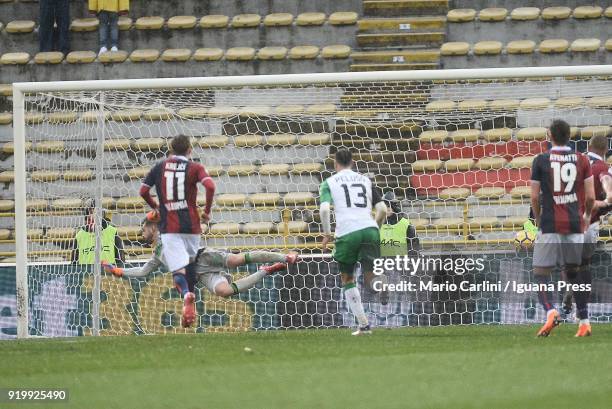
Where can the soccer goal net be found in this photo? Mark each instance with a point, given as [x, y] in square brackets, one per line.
[455, 147]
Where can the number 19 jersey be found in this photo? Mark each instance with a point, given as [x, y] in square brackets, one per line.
[561, 173]
[352, 195]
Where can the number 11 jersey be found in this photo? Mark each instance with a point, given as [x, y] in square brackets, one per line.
[353, 197]
[561, 173]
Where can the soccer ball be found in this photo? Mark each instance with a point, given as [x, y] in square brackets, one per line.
[524, 240]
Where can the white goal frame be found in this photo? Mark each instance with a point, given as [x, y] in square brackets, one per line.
[20, 89]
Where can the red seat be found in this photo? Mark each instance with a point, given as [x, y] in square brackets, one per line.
[462, 150]
[432, 183]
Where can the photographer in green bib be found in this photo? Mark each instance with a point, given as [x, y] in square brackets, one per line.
[397, 236]
[84, 244]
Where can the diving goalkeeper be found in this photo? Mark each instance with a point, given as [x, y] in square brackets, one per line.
[210, 264]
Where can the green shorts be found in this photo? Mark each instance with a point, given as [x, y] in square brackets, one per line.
[361, 245]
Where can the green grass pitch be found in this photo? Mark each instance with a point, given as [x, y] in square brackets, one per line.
[492, 367]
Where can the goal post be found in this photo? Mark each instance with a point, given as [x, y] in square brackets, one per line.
[435, 138]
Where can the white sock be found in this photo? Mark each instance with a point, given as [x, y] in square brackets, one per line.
[584, 321]
[249, 281]
[353, 298]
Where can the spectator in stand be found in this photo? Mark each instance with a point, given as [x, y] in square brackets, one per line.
[54, 30]
[108, 12]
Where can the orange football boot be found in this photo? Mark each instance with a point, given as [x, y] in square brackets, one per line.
[552, 320]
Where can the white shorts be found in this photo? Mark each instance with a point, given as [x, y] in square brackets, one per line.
[590, 240]
[553, 249]
[179, 249]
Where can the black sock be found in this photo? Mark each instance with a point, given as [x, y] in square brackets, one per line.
[191, 276]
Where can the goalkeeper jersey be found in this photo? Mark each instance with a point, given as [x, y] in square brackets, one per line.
[353, 197]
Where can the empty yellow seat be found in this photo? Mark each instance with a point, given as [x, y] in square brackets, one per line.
[208, 54]
[461, 15]
[149, 23]
[306, 168]
[274, 169]
[225, 228]
[531, 134]
[590, 131]
[336, 51]
[341, 18]
[32, 118]
[20, 26]
[521, 162]
[525, 13]
[127, 115]
[583, 12]
[310, 19]
[50, 147]
[317, 109]
[437, 136]
[176, 55]
[599, 102]
[520, 47]
[281, 139]
[5, 234]
[241, 170]
[49, 57]
[94, 116]
[243, 141]
[426, 165]
[130, 203]
[493, 14]
[121, 144]
[214, 21]
[314, 139]
[35, 204]
[144, 55]
[302, 52]
[458, 165]
[264, 199]
[159, 114]
[44, 176]
[481, 223]
[455, 48]
[129, 232]
[491, 162]
[81, 57]
[465, 135]
[504, 104]
[585, 45]
[294, 226]
[472, 105]
[231, 200]
[535, 103]
[60, 233]
[181, 22]
[441, 106]
[222, 111]
[138, 172]
[6, 118]
[240, 54]
[6, 205]
[149, 144]
[258, 228]
[289, 109]
[272, 53]
[487, 47]
[6, 90]
[448, 223]
[246, 20]
[215, 171]
[556, 13]
[521, 192]
[569, 102]
[255, 111]
[84, 24]
[9, 147]
[7, 176]
[17, 58]
[213, 141]
[454, 193]
[77, 175]
[60, 117]
[298, 198]
[113, 57]
[124, 23]
[278, 19]
[67, 204]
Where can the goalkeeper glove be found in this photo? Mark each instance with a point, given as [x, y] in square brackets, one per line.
[112, 269]
[153, 216]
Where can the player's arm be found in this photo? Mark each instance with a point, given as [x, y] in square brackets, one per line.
[606, 184]
[325, 198]
[210, 187]
[142, 271]
[536, 178]
[147, 183]
[380, 208]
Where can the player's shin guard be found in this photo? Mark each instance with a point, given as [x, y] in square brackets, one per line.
[353, 299]
[180, 282]
[263, 257]
[544, 295]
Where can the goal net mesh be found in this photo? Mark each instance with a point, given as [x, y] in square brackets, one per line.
[457, 155]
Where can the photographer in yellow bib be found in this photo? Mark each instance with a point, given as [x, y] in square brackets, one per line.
[84, 244]
[397, 236]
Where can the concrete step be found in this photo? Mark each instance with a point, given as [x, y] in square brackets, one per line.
[392, 8]
[393, 67]
[401, 39]
[407, 24]
[399, 56]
